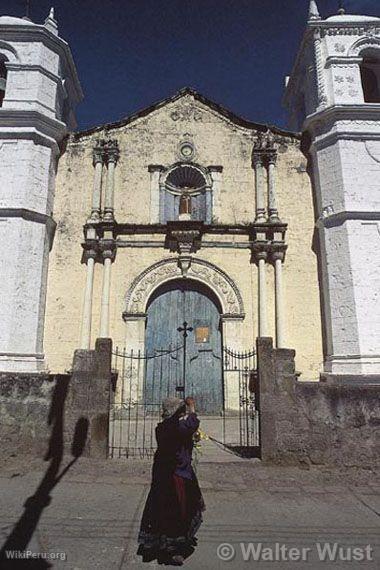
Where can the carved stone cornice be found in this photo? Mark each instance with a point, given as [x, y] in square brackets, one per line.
[156, 168]
[126, 316]
[215, 168]
[343, 29]
[184, 237]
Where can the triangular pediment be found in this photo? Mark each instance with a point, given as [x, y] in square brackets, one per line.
[187, 109]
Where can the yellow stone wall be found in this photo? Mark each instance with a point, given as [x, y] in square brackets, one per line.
[154, 139]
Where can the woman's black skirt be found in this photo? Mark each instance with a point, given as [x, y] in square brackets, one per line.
[172, 515]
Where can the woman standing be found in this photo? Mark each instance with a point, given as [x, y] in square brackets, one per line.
[173, 510]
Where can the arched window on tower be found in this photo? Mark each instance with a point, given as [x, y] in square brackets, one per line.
[370, 74]
[186, 191]
[3, 78]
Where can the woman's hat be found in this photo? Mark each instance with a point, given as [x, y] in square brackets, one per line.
[170, 406]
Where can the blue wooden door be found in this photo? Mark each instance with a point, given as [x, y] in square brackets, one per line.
[172, 305]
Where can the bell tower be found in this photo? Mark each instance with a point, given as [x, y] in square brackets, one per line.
[333, 97]
[39, 90]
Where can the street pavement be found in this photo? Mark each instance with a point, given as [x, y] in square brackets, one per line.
[93, 514]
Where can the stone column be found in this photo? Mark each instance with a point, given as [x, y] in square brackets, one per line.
[259, 187]
[261, 257]
[272, 202]
[214, 197]
[278, 258]
[112, 155]
[108, 253]
[155, 172]
[209, 207]
[98, 156]
[90, 256]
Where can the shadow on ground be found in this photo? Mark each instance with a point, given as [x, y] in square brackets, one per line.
[22, 533]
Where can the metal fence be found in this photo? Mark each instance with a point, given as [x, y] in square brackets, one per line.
[144, 380]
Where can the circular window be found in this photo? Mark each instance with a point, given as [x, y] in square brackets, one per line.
[187, 150]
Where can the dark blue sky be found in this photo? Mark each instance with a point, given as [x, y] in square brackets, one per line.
[132, 53]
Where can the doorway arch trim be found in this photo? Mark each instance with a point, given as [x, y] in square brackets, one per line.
[216, 279]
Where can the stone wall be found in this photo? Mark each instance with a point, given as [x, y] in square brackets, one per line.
[25, 404]
[329, 422]
[88, 398]
[38, 411]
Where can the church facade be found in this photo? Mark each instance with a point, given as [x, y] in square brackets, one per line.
[131, 214]
[185, 215]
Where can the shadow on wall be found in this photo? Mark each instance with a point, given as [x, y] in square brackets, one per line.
[23, 530]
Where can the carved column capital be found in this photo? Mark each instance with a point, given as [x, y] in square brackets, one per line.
[107, 248]
[97, 155]
[90, 250]
[259, 250]
[277, 252]
[261, 255]
[277, 255]
[272, 157]
[112, 151]
[257, 159]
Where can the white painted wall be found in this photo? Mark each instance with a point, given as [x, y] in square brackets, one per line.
[30, 128]
[345, 159]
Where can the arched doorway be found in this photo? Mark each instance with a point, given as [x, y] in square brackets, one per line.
[169, 307]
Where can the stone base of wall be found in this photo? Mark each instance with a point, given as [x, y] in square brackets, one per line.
[87, 410]
[48, 415]
[336, 421]
[27, 402]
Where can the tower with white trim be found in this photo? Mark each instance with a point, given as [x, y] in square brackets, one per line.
[333, 96]
[39, 89]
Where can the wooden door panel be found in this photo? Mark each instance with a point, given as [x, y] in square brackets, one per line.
[176, 303]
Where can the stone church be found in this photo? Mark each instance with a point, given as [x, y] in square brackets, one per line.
[185, 215]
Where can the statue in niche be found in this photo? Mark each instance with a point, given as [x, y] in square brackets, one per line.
[185, 206]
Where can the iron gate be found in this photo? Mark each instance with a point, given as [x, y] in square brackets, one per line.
[241, 402]
[144, 380]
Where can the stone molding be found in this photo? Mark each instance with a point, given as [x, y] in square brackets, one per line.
[364, 43]
[32, 216]
[327, 28]
[329, 218]
[342, 61]
[320, 79]
[16, 66]
[38, 33]
[323, 121]
[169, 269]
[11, 53]
[34, 122]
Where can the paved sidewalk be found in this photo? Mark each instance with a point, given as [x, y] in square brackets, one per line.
[95, 510]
